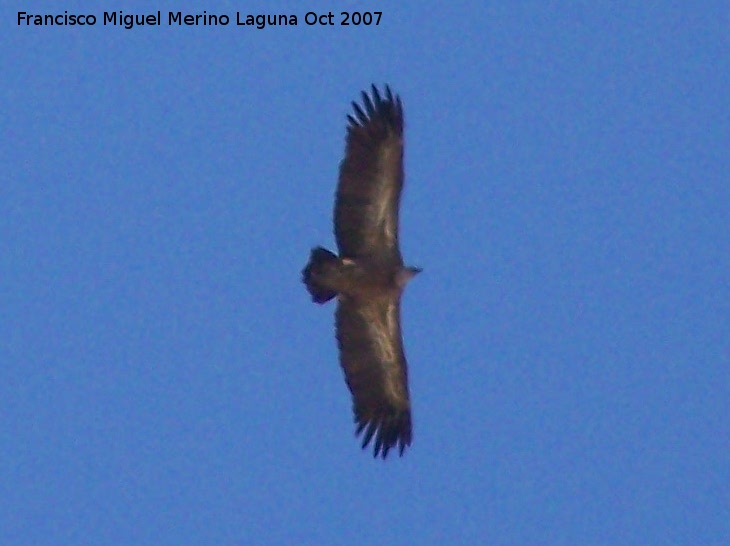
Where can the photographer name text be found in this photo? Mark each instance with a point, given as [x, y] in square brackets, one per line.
[202, 19]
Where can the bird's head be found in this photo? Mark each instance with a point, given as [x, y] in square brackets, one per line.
[406, 274]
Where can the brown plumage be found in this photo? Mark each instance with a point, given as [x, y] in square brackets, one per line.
[368, 276]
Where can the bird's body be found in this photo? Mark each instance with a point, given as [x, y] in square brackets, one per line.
[361, 280]
[368, 276]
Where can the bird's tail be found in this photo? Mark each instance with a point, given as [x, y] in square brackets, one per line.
[317, 275]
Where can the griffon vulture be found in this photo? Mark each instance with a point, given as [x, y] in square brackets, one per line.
[368, 276]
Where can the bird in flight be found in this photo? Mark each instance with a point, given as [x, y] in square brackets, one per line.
[368, 276]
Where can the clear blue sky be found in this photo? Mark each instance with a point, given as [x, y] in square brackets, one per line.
[164, 378]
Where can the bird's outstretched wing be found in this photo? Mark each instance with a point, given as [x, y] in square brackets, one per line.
[371, 179]
[371, 355]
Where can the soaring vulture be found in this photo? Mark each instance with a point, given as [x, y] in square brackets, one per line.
[368, 276]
